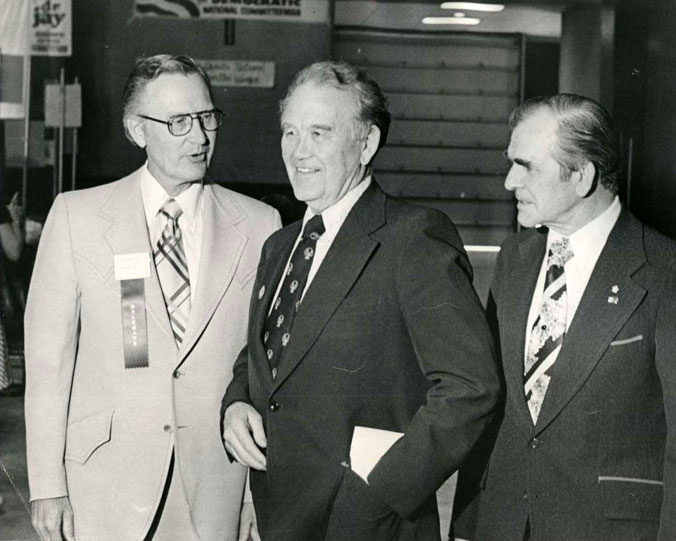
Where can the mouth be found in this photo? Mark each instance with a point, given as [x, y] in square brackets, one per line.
[198, 156]
[305, 170]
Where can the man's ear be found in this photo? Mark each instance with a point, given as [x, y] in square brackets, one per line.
[370, 145]
[135, 129]
[584, 179]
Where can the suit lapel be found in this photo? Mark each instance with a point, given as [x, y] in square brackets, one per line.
[519, 291]
[597, 321]
[222, 247]
[341, 267]
[128, 234]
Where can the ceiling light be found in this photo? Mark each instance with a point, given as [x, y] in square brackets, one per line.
[459, 14]
[473, 6]
[451, 20]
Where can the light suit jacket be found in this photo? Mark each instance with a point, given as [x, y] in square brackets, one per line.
[103, 434]
[601, 461]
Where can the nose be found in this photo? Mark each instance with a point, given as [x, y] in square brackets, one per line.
[302, 149]
[197, 133]
[512, 181]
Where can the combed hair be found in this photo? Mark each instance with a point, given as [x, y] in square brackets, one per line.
[148, 69]
[372, 103]
[585, 133]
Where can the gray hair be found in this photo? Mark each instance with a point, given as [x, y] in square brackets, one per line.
[371, 102]
[148, 69]
[585, 133]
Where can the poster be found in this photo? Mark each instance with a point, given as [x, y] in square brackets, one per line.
[51, 27]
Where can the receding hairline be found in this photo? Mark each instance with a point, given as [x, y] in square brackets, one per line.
[319, 84]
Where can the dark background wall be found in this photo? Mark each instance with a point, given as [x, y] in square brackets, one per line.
[645, 106]
[107, 45]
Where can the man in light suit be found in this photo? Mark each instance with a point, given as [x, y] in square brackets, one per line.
[585, 312]
[136, 311]
[386, 333]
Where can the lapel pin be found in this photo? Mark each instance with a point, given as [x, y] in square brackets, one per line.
[615, 289]
[261, 292]
[613, 299]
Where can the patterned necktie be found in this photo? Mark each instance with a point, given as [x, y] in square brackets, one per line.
[549, 328]
[277, 330]
[172, 270]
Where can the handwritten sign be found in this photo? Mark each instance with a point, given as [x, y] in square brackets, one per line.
[248, 73]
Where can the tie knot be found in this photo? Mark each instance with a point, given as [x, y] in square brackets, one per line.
[314, 228]
[172, 209]
[560, 252]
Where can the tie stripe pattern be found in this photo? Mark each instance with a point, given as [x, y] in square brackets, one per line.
[277, 329]
[172, 270]
[548, 329]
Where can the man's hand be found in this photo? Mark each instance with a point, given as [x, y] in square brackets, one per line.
[53, 519]
[248, 527]
[240, 421]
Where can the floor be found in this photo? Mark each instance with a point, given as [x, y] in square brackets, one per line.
[15, 524]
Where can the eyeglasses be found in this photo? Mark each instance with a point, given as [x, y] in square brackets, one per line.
[182, 124]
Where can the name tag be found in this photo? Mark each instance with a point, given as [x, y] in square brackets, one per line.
[132, 266]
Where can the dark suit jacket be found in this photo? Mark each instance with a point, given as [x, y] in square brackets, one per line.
[390, 335]
[600, 462]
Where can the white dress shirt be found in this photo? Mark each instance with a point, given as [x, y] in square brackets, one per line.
[587, 244]
[333, 218]
[190, 222]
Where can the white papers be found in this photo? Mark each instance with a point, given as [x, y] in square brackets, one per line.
[132, 266]
[368, 447]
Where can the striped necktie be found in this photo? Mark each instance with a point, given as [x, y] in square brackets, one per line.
[172, 270]
[549, 328]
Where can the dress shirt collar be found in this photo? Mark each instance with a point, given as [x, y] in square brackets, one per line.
[154, 196]
[588, 241]
[335, 215]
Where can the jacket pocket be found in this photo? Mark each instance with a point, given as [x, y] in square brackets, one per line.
[631, 498]
[86, 435]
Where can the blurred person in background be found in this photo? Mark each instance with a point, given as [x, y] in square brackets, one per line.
[11, 241]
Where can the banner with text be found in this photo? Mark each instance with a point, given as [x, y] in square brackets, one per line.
[302, 11]
[51, 27]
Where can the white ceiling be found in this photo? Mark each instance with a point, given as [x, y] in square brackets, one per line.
[525, 18]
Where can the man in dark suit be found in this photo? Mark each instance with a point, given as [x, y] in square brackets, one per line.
[585, 313]
[389, 335]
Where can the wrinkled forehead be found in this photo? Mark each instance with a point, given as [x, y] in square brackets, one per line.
[322, 100]
[175, 93]
[536, 133]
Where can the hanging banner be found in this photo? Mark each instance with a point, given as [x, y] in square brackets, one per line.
[302, 11]
[249, 73]
[51, 27]
[13, 34]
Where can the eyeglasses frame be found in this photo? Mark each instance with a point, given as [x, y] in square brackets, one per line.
[192, 116]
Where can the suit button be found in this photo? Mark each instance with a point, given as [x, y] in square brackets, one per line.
[177, 374]
[167, 428]
[274, 406]
[525, 495]
[534, 443]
